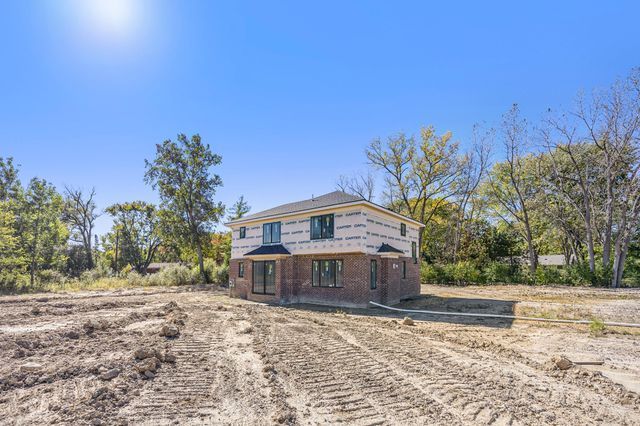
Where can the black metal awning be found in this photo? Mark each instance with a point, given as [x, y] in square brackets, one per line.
[386, 248]
[268, 250]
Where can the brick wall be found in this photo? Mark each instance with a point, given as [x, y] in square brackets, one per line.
[399, 288]
[294, 279]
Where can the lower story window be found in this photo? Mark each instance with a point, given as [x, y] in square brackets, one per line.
[327, 273]
[240, 269]
[264, 277]
[374, 275]
[404, 269]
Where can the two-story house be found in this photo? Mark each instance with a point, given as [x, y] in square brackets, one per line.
[335, 249]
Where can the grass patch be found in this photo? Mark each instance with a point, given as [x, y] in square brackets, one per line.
[596, 327]
[100, 284]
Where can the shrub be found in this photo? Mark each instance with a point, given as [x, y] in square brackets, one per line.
[135, 279]
[171, 276]
[95, 274]
[11, 282]
[596, 327]
[51, 276]
[433, 274]
[499, 272]
[549, 275]
[466, 272]
[174, 276]
[216, 274]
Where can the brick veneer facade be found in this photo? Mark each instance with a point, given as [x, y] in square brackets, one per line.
[293, 281]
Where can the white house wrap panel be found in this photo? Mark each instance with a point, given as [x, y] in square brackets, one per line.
[348, 235]
[357, 230]
[382, 229]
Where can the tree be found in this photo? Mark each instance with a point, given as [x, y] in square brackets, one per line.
[80, 215]
[363, 185]
[419, 177]
[40, 228]
[220, 248]
[13, 261]
[239, 209]
[473, 168]
[137, 226]
[9, 182]
[601, 138]
[181, 174]
[12, 258]
[512, 183]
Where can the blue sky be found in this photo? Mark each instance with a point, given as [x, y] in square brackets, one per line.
[289, 93]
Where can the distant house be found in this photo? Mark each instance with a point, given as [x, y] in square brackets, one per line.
[559, 260]
[157, 267]
[335, 249]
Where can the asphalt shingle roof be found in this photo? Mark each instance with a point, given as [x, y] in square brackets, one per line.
[326, 200]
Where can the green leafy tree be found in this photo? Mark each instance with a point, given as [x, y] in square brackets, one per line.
[12, 258]
[239, 209]
[9, 183]
[181, 172]
[42, 233]
[137, 226]
[13, 261]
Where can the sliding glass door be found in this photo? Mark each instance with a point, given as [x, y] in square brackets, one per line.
[264, 277]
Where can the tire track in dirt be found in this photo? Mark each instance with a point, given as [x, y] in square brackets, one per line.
[344, 382]
[486, 388]
[181, 392]
[210, 381]
[357, 373]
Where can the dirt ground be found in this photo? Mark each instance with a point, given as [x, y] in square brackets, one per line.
[100, 358]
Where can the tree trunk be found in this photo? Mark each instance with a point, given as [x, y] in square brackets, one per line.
[533, 256]
[89, 254]
[606, 243]
[32, 274]
[589, 232]
[115, 260]
[203, 274]
[620, 256]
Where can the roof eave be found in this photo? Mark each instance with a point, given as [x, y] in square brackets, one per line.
[351, 203]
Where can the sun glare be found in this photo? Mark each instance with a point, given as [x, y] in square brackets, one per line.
[109, 18]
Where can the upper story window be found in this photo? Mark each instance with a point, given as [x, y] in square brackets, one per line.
[243, 231]
[271, 233]
[321, 227]
[414, 252]
[403, 229]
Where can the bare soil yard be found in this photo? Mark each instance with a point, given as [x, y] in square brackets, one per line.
[194, 356]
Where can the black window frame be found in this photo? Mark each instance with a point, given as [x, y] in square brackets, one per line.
[264, 277]
[316, 278]
[271, 240]
[243, 232]
[404, 269]
[323, 231]
[373, 274]
[240, 269]
[414, 252]
[403, 230]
